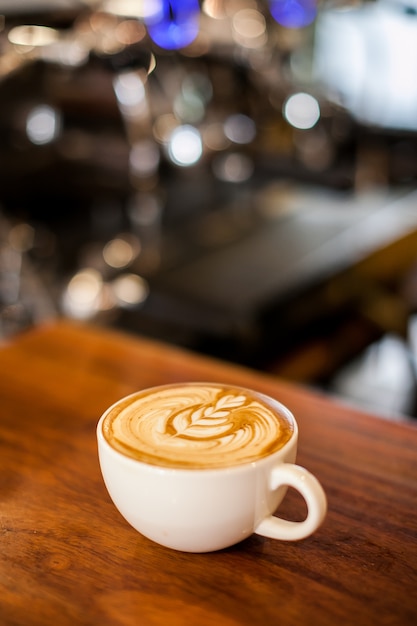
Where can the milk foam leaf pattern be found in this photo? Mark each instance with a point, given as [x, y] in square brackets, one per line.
[202, 425]
[207, 421]
[210, 412]
[230, 402]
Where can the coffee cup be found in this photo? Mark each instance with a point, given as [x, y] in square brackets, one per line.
[198, 467]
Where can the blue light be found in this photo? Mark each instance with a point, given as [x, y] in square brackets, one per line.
[173, 24]
[293, 13]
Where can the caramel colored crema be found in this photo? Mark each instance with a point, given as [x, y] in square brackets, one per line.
[196, 425]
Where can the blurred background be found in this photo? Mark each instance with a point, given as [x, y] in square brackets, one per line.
[238, 177]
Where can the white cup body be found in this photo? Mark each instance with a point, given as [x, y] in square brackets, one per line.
[202, 510]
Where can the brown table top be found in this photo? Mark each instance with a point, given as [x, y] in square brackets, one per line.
[67, 557]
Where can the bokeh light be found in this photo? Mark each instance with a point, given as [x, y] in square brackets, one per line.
[233, 167]
[128, 8]
[129, 32]
[301, 110]
[144, 158]
[130, 290]
[130, 93]
[214, 136]
[43, 124]
[21, 237]
[185, 146]
[164, 126]
[173, 24]
[249, 28]
[32, 36]
[81, 299]
[121, 251]
[293, 13]
[240, 128]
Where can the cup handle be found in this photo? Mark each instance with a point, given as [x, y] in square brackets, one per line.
[309, 487]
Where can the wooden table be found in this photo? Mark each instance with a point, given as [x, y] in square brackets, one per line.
[68, 558]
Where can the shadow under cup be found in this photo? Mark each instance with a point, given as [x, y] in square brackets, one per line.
[205, 508]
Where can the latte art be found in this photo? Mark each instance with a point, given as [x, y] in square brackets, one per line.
[196, 425]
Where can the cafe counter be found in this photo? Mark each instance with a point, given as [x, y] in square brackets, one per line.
[67, 557]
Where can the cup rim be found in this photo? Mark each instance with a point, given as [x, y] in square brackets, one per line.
[282, 408]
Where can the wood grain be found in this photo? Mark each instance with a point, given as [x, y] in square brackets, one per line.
[68, 558]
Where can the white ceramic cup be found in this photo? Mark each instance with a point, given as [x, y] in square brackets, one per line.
[202, 510]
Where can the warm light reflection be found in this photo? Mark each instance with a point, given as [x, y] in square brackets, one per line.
[249, 23]
[42, 124]
[32, 36]
[164, 126]
[152, 64]
[130, 290]
[129, 32]
[103, 27]
[121, 251]
[102, 23]
[214, 137]
[9, 62]
[185, 145]
[130, 8]
[214, 9]
[301, 110]
[81, 299]
[249, 28]
[21, 237]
